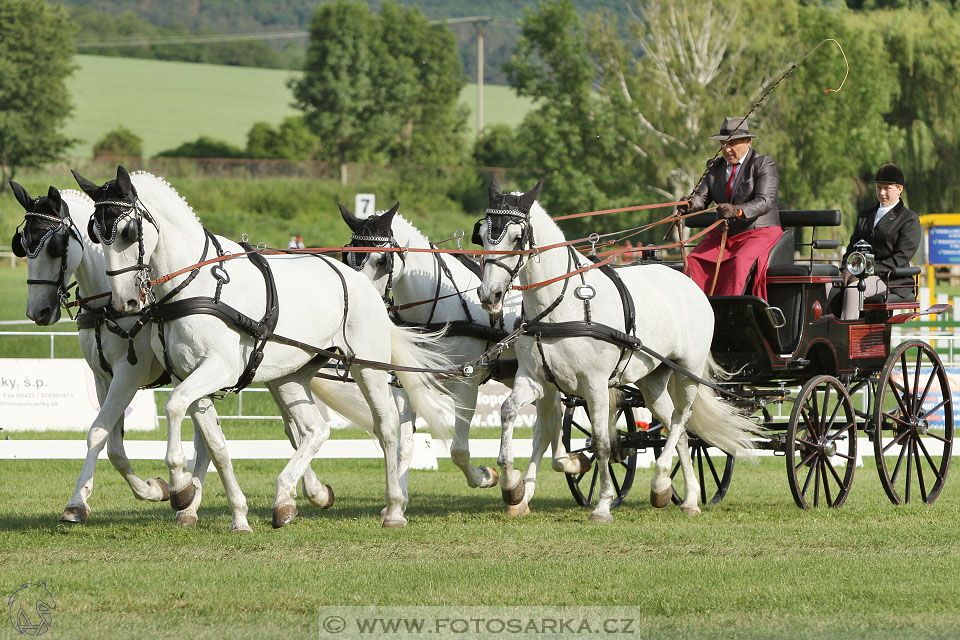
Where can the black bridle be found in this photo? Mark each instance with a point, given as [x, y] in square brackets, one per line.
[132, 232]
[358, 259]
[498, 221]
[58, 237]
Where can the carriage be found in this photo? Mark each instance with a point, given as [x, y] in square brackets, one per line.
[814, 384]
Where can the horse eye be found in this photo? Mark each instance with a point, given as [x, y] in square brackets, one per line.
[131, 231]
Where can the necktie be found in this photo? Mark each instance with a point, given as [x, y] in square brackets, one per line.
[733, 175]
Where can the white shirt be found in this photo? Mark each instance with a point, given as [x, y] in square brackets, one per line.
[882, 211]
[731, 166]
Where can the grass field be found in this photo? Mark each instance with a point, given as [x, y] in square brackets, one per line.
[168, 103]
[751, 567]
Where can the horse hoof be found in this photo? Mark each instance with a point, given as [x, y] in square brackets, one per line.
[600, 517]
[515, 494]
[283, 514]
[185, 519]
[75, 515]
[490, 477]
[243, 529]
[164, 489]
[182, 499]
[330, 498]
[394, 522]
[581, 464]
[691, 511]
[660, 500]
[518, 510]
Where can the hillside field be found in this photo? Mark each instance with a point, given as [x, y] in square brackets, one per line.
[168, 103]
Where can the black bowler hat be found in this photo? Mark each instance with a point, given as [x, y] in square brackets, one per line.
[733, 129]
[890, 174]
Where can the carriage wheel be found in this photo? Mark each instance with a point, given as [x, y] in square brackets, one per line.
[821, 444]
[714, 471]
[584, 486]
[913, 422]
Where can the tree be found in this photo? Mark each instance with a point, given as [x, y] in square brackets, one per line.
[36, 50]
[204, 147]
[119, 142]
[381, 87]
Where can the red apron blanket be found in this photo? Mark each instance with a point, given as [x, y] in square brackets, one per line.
[740, 253]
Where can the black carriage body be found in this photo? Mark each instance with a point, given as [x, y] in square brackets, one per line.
[795, 335]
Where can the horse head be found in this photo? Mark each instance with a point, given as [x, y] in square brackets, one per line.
[118, 223]
[375, 231]
[53, 248]
[505, 227]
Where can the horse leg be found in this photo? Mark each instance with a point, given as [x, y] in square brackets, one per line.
[525, 390]
[319, 494]
[654, 390]
[544, 429]
[293, 395]
[684, 392]
[598, 403]
[465, 393]
[192, 394]
[187, 516]
[562, 460]
[154, 489]
[407, 426]
[373, 384]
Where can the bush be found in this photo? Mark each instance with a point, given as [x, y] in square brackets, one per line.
[119, 142]
[204, 147]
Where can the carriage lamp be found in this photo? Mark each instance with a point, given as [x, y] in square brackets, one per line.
[860, 262]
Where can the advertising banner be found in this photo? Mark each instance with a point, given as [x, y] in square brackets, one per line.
[40, 394]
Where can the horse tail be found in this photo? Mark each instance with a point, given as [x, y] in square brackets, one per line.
[430, 400]
[344, 398]
[719, 423]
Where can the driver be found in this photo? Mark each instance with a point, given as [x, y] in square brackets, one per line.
[744, 184]
[892, 230]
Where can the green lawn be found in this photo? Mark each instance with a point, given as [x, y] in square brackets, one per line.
[751, 567]
[167, 103]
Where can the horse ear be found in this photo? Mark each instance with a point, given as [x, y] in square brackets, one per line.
[22, 196]
[493, 191]
[53, 195]
[124, 182]
[352, 221]
[388, 215]
[527, 199]
[88, 187]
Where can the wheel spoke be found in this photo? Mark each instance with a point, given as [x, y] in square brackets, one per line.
[826, 403]
[834, 472]
[940, 438]
[826, 482]
[939, 405]
[806, 418]
[806, 442]
[805, 461]
[916, 380]
[593, 484]
[926, 454]
[896, 469]
[916, 455]
[815, 407]
[833, 417]
[703, 488]
[806, 483]
[926, 390]
[909, 470]
[898, 397]
[897, 439]
[904, 372]
[613, 477]
[576, 424]
[713, 468]
[816, 483]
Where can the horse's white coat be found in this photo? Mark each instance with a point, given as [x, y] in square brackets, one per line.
[674, 318]
[208, 355]
[85, 261]
[415, 279]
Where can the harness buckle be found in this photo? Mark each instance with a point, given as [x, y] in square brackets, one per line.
[220, 274]
[585, 292]
[244, 237]
[593, 238]
[458, 234]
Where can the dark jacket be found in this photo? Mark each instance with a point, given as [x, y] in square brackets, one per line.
[895, 239]
[754, 191]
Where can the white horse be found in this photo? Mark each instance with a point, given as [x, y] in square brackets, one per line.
[439, 290]
[674, 319]
[58, 250]
[319, 304]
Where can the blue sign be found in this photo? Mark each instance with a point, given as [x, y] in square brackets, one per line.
[944, 247]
